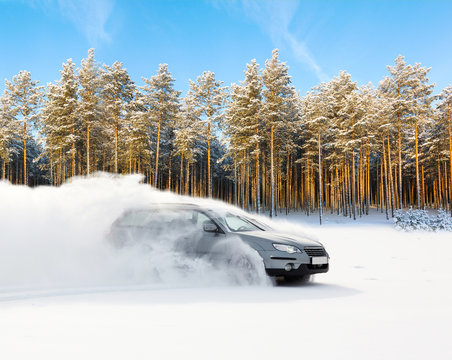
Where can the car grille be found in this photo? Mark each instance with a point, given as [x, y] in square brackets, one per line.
[315, 251]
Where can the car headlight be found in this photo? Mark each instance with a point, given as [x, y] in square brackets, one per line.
[287, 248]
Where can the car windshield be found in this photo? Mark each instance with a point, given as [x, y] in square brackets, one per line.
[237, 223]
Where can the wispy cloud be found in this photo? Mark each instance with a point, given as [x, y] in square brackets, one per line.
[274, 17]
[89, 16]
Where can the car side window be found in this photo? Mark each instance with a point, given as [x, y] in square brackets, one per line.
[202, 218]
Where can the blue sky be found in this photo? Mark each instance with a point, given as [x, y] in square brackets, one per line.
[317, 38]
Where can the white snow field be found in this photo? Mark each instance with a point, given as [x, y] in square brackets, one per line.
[64, 294]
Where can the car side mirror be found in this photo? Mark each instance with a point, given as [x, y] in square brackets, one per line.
[210, 227]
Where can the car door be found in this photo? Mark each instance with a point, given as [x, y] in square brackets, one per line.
[209, 241]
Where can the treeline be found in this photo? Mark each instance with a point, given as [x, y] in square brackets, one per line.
[258, 144]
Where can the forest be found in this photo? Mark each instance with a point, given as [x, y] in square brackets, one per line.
[258, 144]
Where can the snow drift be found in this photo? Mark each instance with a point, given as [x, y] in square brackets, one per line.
[417, 219]
[56, 238]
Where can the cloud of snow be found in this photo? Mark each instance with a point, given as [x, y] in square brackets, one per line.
[56, 238]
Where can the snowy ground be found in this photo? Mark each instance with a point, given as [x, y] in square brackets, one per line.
[388, 295]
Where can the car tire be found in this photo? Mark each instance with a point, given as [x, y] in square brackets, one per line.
[244, 270]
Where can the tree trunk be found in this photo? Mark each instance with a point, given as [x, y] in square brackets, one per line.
[87, 149]
[209, 177]
[308, 188]
[258, 181]
[399, 136]
[368, 199]
[440, 198]
[73, 153]
[353, 186]
[64, 167]
[51, 172]
[170, 159]
[272, 179]
[235, 182]
[418, 195]
[391, 182]
[287, 183]
[386, 181]
[157, 150]
[336, 189]
[25, 177]
[181, 176]
[450, 159]
[423, 188]
[187, 183]
[116, 145]
[247, 181]
[320, 180]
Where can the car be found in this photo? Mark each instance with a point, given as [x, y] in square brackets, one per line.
[205, 231]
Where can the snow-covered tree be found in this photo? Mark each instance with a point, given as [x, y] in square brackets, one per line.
[59, 120]
[317, 113]
[23, 96]
[405, 87]
[277, 92]
[118, 91]
[445, 115]
[420, 97]
[137, 135]
[187, 134]
[8, 135]
[89, 106]
[243, 128]
[162, 102]
[209, 97]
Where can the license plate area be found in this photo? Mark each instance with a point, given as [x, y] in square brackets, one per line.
[319, 260]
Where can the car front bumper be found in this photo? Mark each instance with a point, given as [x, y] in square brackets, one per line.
[299, 264]
[302, 270]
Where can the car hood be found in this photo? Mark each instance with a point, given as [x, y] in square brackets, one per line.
[265, 239]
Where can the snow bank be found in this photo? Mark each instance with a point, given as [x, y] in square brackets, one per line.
[414, 219]
[56, 238]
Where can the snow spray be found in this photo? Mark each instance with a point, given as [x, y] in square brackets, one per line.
[55, 238]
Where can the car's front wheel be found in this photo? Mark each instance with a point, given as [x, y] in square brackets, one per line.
[245, 270]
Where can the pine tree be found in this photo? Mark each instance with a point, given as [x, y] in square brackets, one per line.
[89, 106]
[277, 94]
[243, 127]
[137, 134]
[8, 135]
[187, 134]
[118, 91]
[317, 115]
[162, 102]
[59, 120]
[445, 115]
[399, 89]
[24, 96]
[209, 97]
[253, 122]
[420, 113]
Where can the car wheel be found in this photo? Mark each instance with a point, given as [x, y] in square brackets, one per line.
[244, 270]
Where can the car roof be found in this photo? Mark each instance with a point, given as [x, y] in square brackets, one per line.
[165, 206]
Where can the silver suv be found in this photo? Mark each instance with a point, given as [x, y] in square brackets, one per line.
[203, 231]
